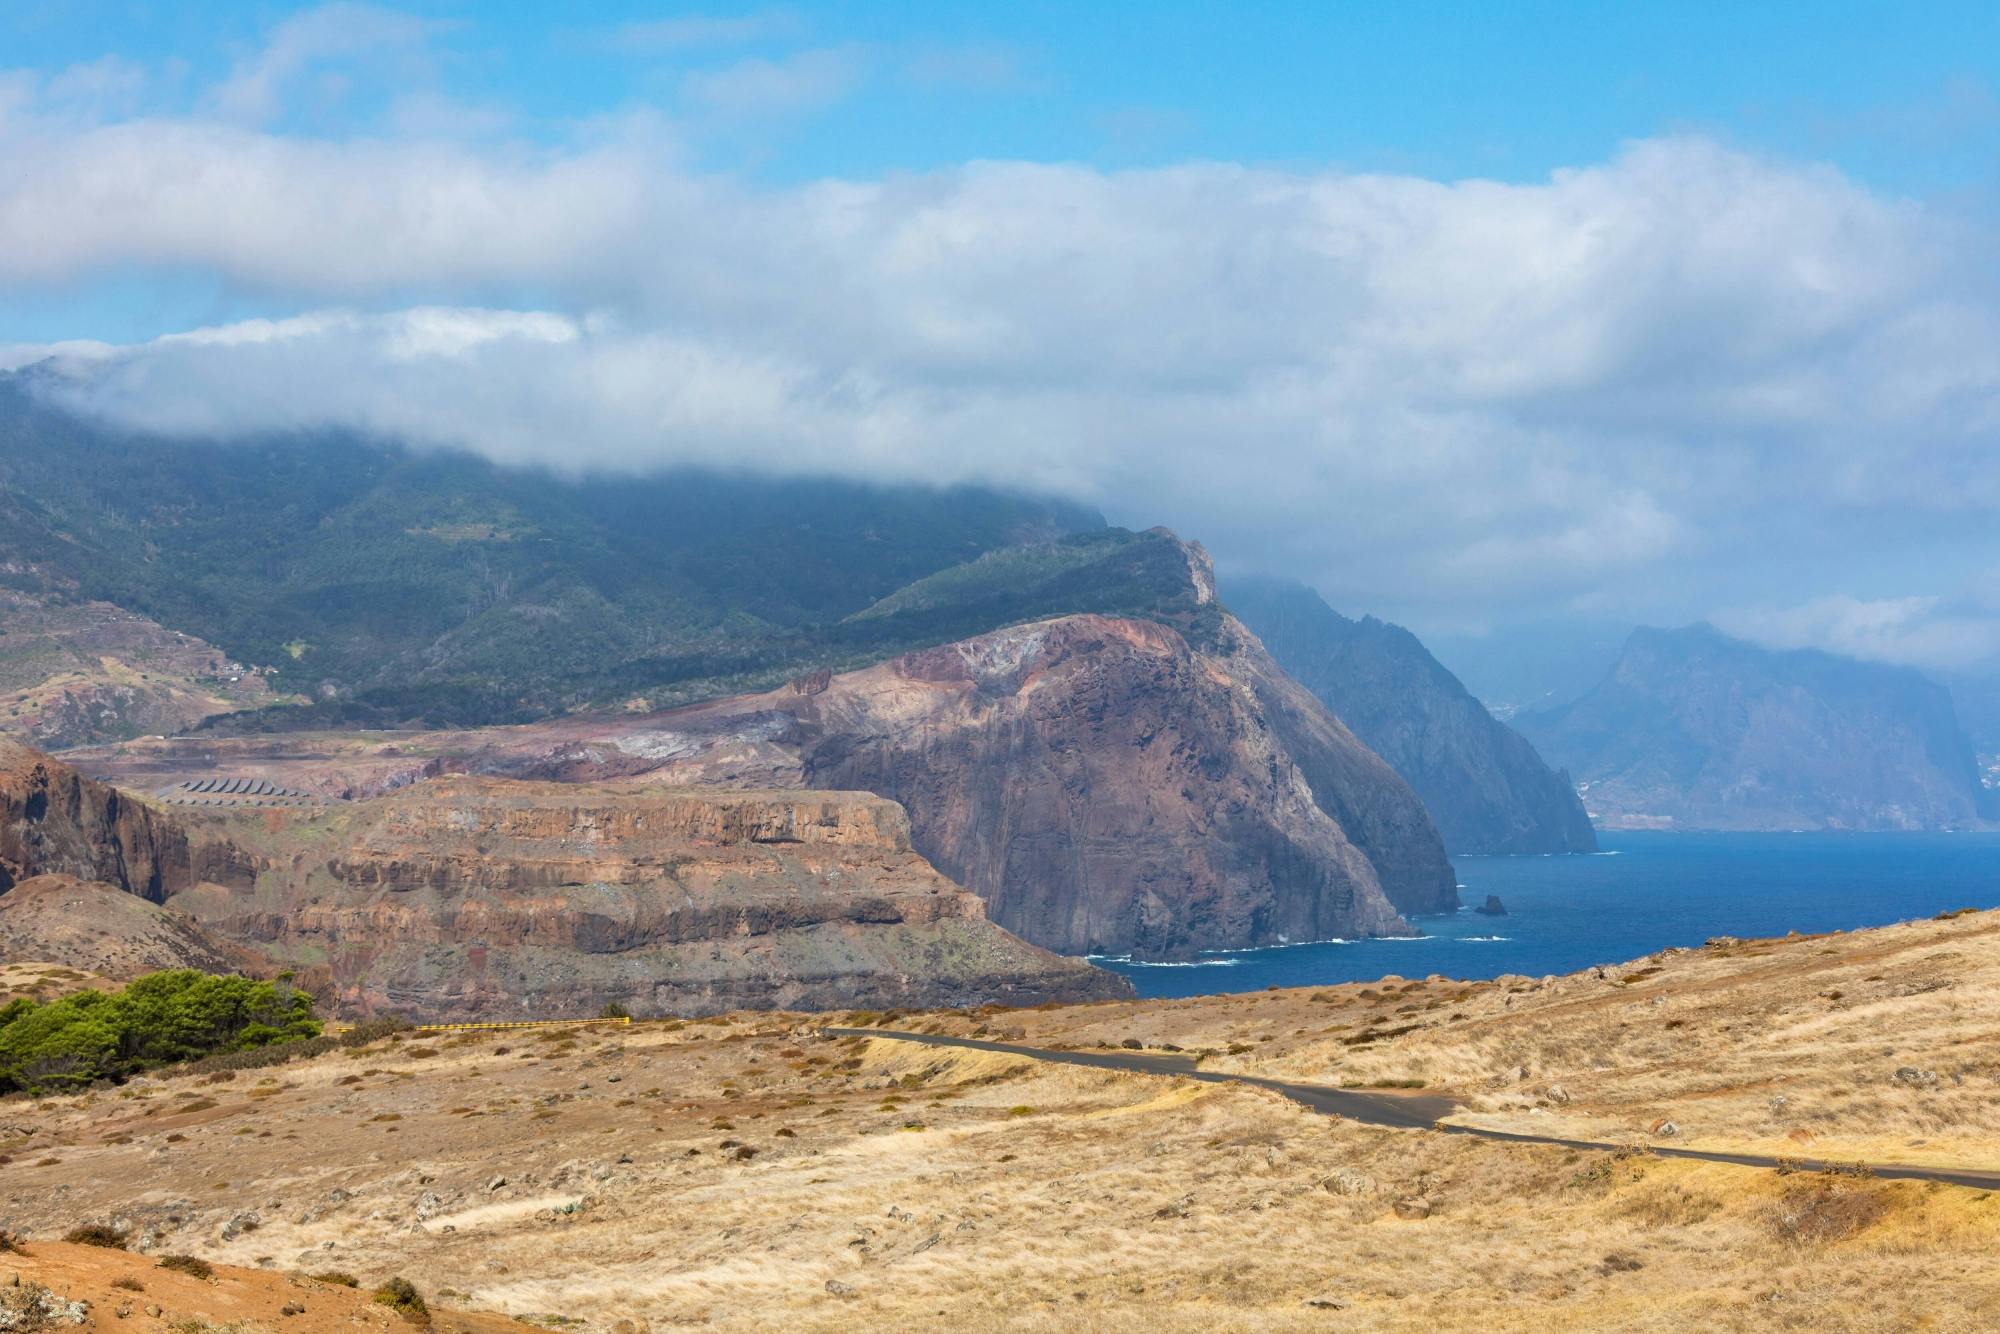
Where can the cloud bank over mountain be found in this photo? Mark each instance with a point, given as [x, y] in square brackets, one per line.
[1440, 398]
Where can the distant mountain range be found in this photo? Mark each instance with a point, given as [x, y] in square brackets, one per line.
[1482, 782]
[1692, 729]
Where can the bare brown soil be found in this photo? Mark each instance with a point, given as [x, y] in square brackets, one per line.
[126, 1291]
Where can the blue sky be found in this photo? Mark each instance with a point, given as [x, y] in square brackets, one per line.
[1902, 95]
[1906, 98]
[1468, 314]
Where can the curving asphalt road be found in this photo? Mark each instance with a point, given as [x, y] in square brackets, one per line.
[1403, 1111]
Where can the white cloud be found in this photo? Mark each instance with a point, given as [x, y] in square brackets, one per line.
[312, 40]
[1411, 391]
[767, 86]
[1952, 634]
[688, 31]
[985, 67]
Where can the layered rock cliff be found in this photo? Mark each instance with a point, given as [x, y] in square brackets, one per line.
[483, 898]
[1108, 789]
[1693, 729]
[1481, 781]
[486, 898]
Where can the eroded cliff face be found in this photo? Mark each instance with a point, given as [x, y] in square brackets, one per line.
[491, 899]
[1354, 785]
[1106, 788]
[54, 821]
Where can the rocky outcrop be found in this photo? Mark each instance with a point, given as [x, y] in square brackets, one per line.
[104, 930]
[1695, 730]
[1481, 781]
[1353, 784]
[54, 821]
[1106, 788]
[486, 898]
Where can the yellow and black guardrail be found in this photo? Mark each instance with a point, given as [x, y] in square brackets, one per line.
[516, 1023]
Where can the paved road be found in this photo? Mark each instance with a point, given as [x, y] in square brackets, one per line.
[1404, 1111]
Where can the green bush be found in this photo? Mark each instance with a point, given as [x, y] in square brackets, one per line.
[181, 1015]
[613, 1010]
[401, 1296]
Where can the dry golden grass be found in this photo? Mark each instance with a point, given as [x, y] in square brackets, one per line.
[1788, 1047]
[40, 981]
[751, 1174]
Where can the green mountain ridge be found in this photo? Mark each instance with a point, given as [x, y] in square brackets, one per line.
[394, 585]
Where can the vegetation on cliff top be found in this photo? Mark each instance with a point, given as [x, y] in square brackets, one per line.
[395, 586]
[180, 1015]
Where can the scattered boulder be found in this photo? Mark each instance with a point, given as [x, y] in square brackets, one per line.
[238, 1224]
[1347, 1181]
[1413, 1206]
[1557, 1094]
[31, 1306]
[1911, 1077]
[1493, 907]
[1664, 1129]
[838, 1289]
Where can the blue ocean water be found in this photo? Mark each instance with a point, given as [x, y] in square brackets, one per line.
[1642, 892]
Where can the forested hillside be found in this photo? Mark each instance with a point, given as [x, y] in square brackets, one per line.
[390, 584]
